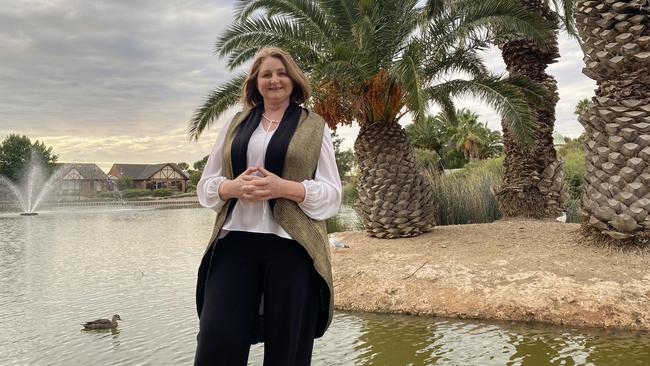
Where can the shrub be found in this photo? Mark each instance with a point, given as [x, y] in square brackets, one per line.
[574, 166]
[135, 192]
[108, 195]
[338, 223]
[571, 208]
[350, 193]
[428, 159]
[335, 225]
[162, 192]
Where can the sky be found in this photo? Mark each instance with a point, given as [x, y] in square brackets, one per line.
[116, 81]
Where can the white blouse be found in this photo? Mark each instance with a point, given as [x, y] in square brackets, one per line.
[322, 194]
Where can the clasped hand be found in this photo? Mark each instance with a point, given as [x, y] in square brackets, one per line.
[252, 187]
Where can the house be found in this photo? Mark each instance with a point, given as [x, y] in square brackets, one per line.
[76, 178]
[152, 176]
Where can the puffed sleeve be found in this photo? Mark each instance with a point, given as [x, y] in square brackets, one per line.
[323, 193]
[207, 190]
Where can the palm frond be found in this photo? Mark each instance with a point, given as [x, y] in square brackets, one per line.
[409, 75]
[564, 11]
[344, 13]
[240, 55]
[435, 7]
[343, 69]
[458, 60]
[465, 19]
[534, 92]
[443, 99]
[500, 94]
[303, 11]
[217, 102]
[259, 32]
[394, 22]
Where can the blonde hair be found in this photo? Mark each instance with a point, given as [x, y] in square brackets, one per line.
[250, 95]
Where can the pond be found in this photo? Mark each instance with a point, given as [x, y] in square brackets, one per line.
[61, 268]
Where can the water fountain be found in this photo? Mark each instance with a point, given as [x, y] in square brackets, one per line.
[35, 187]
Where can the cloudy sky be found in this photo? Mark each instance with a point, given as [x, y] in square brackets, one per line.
[116, 81]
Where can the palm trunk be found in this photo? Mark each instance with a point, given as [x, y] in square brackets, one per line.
[395, 199]
[533, 176]
[616, 38]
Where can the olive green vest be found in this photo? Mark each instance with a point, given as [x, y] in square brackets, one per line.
[300, 163]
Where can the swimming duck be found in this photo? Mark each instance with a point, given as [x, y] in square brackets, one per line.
[103, 323]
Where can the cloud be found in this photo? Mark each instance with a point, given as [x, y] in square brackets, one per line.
[107, 69]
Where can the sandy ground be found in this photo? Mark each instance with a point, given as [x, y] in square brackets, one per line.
[513, 270]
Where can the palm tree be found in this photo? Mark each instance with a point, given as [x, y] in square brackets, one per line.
[533, 176]
[429, 132]
[492, 144]
[371, 62]
[616, 201]
[461, 131]
[466, 133]
[582, 106]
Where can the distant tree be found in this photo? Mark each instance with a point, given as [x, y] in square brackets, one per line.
[427, 133]
[125, 182]
[199, 165]
[184, 166]
[195, 176]
[583, 105]
[492, 144]
[467, 134]
[450, 135]
[16, 152]
[344, 159]
[573, 144]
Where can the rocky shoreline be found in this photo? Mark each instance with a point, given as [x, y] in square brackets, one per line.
[522, 270]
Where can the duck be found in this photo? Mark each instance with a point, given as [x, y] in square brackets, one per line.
[103, 323]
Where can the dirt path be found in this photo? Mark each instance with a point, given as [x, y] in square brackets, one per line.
[515, 270]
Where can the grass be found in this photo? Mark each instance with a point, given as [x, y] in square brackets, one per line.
[466, 196]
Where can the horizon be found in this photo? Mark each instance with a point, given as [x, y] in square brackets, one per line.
[114, 82]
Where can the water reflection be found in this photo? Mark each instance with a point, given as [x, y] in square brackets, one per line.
[59, 269]
[408, 340]
[379, 344]
[618, 348]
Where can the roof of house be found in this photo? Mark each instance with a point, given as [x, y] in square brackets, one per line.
[145, 171]
[87, 170]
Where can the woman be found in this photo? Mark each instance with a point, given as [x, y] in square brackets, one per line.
[272, 178]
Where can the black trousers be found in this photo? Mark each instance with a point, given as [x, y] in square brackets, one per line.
[243, 267]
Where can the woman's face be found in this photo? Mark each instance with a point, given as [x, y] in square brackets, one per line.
[273, 82]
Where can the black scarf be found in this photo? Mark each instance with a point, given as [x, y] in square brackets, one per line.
[276, 150]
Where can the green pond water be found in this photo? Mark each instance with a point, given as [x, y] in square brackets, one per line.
[61, 268]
